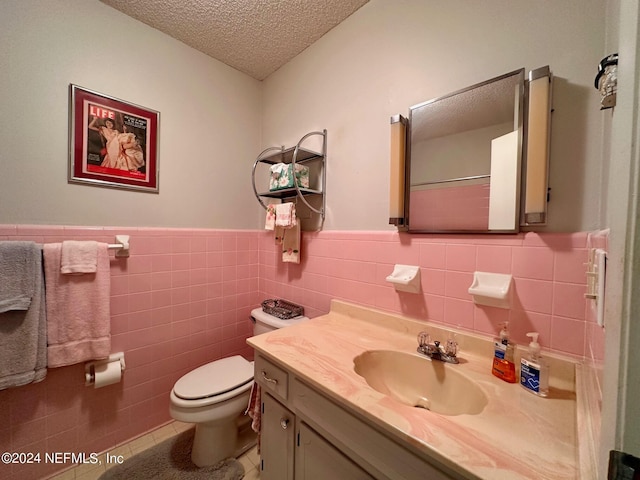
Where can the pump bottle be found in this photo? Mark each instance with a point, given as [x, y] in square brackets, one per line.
[534, 371]
[503, 366]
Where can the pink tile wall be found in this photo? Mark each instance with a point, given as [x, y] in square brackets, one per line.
[548, 279]
[181, 299]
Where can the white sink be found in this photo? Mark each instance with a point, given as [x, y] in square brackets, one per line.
[420, 382]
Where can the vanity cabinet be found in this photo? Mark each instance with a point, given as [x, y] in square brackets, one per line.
[317, 459]
[327, 440]
[277, 438]
[297, 155]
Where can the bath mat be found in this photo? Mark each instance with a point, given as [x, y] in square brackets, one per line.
[171, 460]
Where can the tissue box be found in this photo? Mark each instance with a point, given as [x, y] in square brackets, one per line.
[282, 176]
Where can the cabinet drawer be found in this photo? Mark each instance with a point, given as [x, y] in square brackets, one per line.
[271, 377]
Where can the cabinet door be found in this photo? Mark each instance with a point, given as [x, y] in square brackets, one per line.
[277, 435]
[317, 459]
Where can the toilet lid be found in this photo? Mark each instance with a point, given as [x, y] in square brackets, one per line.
[214, 378]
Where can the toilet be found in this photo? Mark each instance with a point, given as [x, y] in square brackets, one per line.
[215, 396]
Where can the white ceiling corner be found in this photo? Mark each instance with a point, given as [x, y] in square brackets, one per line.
[254, 36]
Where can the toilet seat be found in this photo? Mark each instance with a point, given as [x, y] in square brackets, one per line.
[216, 381]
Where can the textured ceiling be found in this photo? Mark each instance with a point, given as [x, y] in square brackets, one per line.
[254, 36]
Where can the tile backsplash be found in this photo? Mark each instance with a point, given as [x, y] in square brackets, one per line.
[549, 279]
[184, 296]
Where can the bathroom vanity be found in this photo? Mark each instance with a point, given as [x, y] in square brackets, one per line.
[321, 419]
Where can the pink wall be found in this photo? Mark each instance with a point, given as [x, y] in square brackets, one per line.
[548, 274]
[183, 298]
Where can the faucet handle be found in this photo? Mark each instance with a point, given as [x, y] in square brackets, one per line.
[452, 347]
[424, 339]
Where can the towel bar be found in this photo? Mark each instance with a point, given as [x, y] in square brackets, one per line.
[121, 246]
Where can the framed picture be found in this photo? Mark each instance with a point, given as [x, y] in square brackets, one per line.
[112, 143]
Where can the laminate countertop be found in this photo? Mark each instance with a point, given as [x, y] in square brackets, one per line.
[517, 435]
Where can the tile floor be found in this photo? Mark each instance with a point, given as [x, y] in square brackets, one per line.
[250, 460]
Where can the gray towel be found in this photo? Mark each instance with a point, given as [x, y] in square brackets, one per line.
[23, 333]
[16, 275]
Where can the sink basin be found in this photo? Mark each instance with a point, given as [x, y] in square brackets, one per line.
[420, 382]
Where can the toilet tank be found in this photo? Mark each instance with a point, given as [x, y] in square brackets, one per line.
[264, 322]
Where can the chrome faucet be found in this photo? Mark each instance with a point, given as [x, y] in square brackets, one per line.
[434, 351]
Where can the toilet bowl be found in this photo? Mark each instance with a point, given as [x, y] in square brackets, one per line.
[214, 398]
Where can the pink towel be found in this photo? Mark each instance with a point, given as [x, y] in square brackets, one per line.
[254, 409]
[79, 257]
[78, 312]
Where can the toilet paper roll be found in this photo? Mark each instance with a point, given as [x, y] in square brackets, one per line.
[107, 374]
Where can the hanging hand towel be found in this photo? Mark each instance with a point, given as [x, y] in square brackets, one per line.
[23, 331]
[79, 257]
[286, 215]
[78, 314]
[291, 245]
[253, 410]
[279, 235]
[270, 221]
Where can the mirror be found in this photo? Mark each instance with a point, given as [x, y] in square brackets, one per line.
[464, 159]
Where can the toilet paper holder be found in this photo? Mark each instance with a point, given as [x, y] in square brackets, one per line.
[90, 367]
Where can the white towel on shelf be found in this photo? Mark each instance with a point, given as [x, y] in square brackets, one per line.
[286, 215]
[78, 257]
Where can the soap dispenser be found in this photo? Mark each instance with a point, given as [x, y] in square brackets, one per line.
[503, 365]
[534, 371]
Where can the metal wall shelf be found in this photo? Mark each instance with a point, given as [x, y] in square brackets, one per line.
[294, 155]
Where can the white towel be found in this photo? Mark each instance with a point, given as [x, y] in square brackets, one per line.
[286, 215]
[78, 257]
[291, 245]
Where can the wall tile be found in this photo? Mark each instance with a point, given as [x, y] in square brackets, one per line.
[433, 256]
[457, 284]
[461, 258]
[533, 263]
[570, 266]
[533, 295]
[458, 313]
[494, 258]
[568, 335]
[568, 300]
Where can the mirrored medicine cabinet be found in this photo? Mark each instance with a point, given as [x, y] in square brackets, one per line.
[465, 167]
